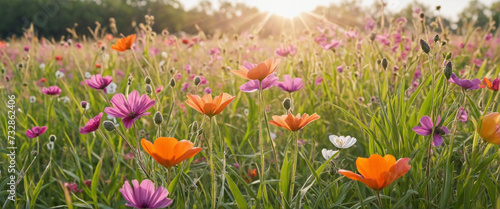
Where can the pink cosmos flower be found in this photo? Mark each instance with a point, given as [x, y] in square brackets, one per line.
[285, 51]
[318, 80]
[254, 85]
[290, 85]
[129, 109]
[52, 90]
[462, 115]
[98, 82]
[207, 90]
[92, 124]
[332, 45]
[145, 195]
[427, 126]
[465, 83]
[370, 24]
[35, 131]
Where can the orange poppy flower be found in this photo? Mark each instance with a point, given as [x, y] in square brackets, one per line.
[378, 172]
[491, 85]
[124, 44]
[258, 71]
[490, 128]
[58, 58]
[109, 36]
[293, 123]
[168, 151]
[207, 105]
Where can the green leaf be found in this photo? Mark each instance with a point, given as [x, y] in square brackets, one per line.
[240, 200]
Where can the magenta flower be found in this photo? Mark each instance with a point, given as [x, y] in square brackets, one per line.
[318, 80]
[207, 90]
[465, 83]
[285, 51]
[35, 131]
[462, 115]
[129, 109]
[52, 90]
[255, 85]
[340, 69]
[332, 45]
[145, 195]
[98, 82]
[426, 129]
[91, 125]
[290, 85]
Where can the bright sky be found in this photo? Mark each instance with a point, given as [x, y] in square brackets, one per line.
[450, 8]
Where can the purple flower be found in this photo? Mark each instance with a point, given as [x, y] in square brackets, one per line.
[91, 125]
[290, 85]
[462, 115]
[237, 165]
[428, 126]
[98, 82]
[207, 90]
[255, 85]
[370, 24]
[129, 109]
[52, 90]
[351, 34]
[35, 131]
[145, 195]
[185, 86]
[465, 83]
[340, 69]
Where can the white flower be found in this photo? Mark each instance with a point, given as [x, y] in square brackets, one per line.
[328, 153]
[42, 66]
[59, 74]
[32, 99]
[64, 99]
[111, 88]
[273, 135]
[161, 63]
[105, 57]
[164, 54]
[246, 112]
[50, 145]
[342, 142]
[88, 75]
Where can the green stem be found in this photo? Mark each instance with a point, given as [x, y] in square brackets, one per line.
[261, 144]
[294, 167]
[379, 200]
[212, 166]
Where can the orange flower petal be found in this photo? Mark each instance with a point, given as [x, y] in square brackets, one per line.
[164, 147]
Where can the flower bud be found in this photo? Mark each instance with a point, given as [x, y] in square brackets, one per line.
[197, 80]
[488, 128]
[194, 127]
[172, 83]
[149, 90]
[158, 118]
[52, 138]
[448, 70]
[287, 104]
[436, 38]
[172, 70]
[373, 36]
[34, 153]
[50, 145]
[147, 80]
[84, 105]
[108, 125]
[425, 47]
[385, 63]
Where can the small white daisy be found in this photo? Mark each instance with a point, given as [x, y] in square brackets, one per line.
[59, 74]
[32, 99]
[342, 142]
[328, 153]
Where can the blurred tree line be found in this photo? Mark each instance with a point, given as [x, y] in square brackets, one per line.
[51, 18]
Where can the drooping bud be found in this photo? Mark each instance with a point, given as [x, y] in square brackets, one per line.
[147, 80]
[172, 83]
[149, 90]
[425, 47]
[373, 36]
[448, 70]
[50, 145]
[34, 153]
[84, 105]
[287, 104]
[385, 63]
[197, 80]
[158, 118]
[108, 125]
[172, 70]
[52, 138]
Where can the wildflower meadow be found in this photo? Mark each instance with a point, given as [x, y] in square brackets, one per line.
[399, 112]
